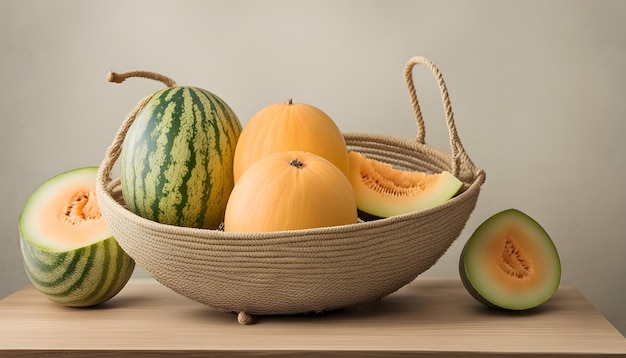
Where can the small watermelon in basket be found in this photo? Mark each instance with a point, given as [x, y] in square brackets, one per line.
[176, 163]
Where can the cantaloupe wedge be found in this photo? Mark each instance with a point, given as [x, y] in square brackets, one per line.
[384, 191]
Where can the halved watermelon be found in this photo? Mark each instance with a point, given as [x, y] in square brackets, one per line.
[69, 253]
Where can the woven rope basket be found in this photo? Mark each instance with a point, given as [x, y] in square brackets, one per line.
[306, 270]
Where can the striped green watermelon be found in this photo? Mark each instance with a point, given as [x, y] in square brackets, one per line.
[176, 163]
[68, 252]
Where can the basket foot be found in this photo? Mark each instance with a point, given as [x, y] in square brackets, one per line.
[245, 318]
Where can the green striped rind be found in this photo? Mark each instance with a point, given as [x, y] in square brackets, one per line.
[84, 277]
[176, 164]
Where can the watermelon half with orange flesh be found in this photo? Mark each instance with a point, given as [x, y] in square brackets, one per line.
[68, 251]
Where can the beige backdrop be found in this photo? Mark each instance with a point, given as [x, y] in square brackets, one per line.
[537, 88]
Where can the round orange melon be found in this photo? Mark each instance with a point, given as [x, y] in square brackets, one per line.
[290, 191]
[290, 126]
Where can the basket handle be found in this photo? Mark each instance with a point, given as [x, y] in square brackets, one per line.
[461, 163]
[114, 150]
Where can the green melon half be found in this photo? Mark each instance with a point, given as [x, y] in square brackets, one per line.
[384, 191]
[68, 251]
[510, 262]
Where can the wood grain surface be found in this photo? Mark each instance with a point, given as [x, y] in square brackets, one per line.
[429, 317]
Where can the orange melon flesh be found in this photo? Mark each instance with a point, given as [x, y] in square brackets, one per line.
[384, 191]
[63, 214]
[510, 262]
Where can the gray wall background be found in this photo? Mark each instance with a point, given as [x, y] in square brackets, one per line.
[537, 88]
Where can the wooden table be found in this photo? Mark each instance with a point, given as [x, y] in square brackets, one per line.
[429, 317]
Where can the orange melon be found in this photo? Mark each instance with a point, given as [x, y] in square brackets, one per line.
[290, 191]
[290, 126]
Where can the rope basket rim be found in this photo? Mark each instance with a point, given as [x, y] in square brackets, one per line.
[105, 189]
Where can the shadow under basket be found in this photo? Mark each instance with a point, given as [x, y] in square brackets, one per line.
[313, 270]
